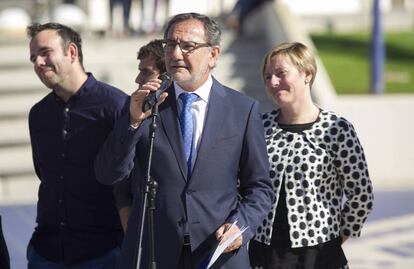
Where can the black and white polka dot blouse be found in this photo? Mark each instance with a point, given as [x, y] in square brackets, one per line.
[320, 166]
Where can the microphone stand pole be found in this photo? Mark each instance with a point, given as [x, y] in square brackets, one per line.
[148, 201]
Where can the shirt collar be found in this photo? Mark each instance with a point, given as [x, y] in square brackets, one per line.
[275, 128]
[203, 91]
[86, 87]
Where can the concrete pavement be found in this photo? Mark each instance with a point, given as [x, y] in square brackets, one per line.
[387, 240]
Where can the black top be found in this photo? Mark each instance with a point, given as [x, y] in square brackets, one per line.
[76, 215]
[280, 233]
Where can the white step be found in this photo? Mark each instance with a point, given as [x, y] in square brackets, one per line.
[19, 105]
[14, 131]
[16, 161]
[19, 189]
[20, 80]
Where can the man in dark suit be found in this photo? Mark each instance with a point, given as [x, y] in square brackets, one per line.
[151, 65]
[208, 177]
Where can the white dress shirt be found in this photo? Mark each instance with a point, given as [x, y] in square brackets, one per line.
[198, 111]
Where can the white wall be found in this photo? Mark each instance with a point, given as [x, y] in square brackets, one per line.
[209, 7]
[335, 7]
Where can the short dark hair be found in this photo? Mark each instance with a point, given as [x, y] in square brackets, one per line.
[153, 49]
[211, 27]
[67, 34]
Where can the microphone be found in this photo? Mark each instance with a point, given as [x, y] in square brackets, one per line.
[152, 99]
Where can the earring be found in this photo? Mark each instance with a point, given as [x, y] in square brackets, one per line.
[306, 81]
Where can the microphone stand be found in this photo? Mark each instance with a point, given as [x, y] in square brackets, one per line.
[148, 201]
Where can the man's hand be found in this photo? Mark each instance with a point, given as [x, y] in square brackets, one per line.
[137, 99]
[224, 232]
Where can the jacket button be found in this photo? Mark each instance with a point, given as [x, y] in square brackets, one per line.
[181, 222]
[190, 191]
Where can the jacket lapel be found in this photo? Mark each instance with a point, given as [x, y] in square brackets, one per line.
[213, 122]
[169, 119]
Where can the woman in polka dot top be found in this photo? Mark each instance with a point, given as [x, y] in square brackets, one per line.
[318, 170]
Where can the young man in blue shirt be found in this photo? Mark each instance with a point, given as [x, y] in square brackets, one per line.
[77, 220]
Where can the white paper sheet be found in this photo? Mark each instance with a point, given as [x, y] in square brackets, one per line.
[221, 247]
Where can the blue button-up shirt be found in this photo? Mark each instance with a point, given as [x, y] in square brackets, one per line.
[76, 215]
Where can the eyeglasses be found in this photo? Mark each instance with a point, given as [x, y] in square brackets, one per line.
[186, 47]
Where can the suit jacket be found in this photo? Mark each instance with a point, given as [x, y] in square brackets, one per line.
[229, 179]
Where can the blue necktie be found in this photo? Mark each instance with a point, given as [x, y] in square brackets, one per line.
[186, 123]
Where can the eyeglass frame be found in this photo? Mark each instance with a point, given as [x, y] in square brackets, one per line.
[197, 45]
